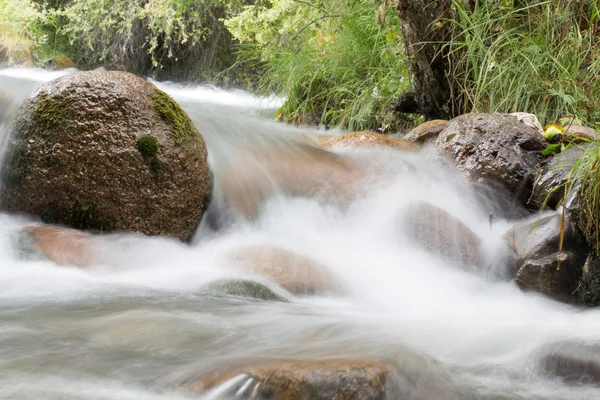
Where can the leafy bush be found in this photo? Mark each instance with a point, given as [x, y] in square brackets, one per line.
[332, 60]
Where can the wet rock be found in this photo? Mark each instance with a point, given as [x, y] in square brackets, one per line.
[493, 148]
[426, 132]
[3, 54]
[60, 245]
[556, 275]
[573, 363]
[589, 291]
[62, 62]
[297, 274]
[579, 134]
[299, 169]
[243, 288]
[369, 139]
[539, 236]
[551, 181]
[301, 380]
[441, 233]
[107, 151]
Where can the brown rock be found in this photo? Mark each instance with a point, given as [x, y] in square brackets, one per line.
[493, 148]
[107, 151]
[65, 246]
[579, 134]
[556, 275]
[426, 132]
[369, 139]
[441, 233]
[254, 175]
[315, 380]
[298, 274]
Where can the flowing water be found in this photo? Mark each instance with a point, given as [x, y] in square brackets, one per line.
[132, 326]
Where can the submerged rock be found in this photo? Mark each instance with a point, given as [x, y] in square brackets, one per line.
[297, 274]
[60, 245]
[493, 148]
[442, 234]
[551, 181]
[302, 380]
[75, 156]
[556, 275]
[297, 169]
[574, 363]
[426, 132]
[369, 139]
[243, 288]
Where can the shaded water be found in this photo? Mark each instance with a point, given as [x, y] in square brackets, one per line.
[131, 327]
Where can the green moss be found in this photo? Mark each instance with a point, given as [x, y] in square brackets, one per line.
[52, 112]
[147, 146]
[49, 215]
[87, 214]
[155, 165]
[173, 115]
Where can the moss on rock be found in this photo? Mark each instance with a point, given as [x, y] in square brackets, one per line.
[589, 292]
[147, 146]
[173, 115]
[87, 214]
[52, 112]
[49, 215]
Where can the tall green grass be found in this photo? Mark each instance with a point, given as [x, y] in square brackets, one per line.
[542, 58]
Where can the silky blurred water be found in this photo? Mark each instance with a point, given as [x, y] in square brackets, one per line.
[128, 327]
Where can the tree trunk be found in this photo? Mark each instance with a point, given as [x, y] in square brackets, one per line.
[425, 33]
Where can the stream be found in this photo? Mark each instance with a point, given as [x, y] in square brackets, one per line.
[132, 328]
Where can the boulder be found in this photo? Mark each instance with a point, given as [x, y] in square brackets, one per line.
[107, 151]
[493, 148]
[589, 291]
[243, 288]
[297, 274]
[579, 134]
[253, 175]
[369, 139]
[551, 181]
[60, 245]
[426, 132]
[556, 275]
[573, 363]
[301, 380]
[440, 233]
[539, 236]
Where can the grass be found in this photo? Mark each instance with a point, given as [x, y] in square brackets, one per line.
[540, 58]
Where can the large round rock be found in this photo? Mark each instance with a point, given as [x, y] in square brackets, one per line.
[493, 149]
[107, 151]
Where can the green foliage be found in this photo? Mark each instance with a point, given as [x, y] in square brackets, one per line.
[332, 61]
[542, 58]
[87, 214]
[147, 146]
[49, 215]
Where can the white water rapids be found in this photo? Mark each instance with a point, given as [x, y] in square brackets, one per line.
[122, 331]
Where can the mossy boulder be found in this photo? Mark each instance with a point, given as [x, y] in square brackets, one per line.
[75, 155]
